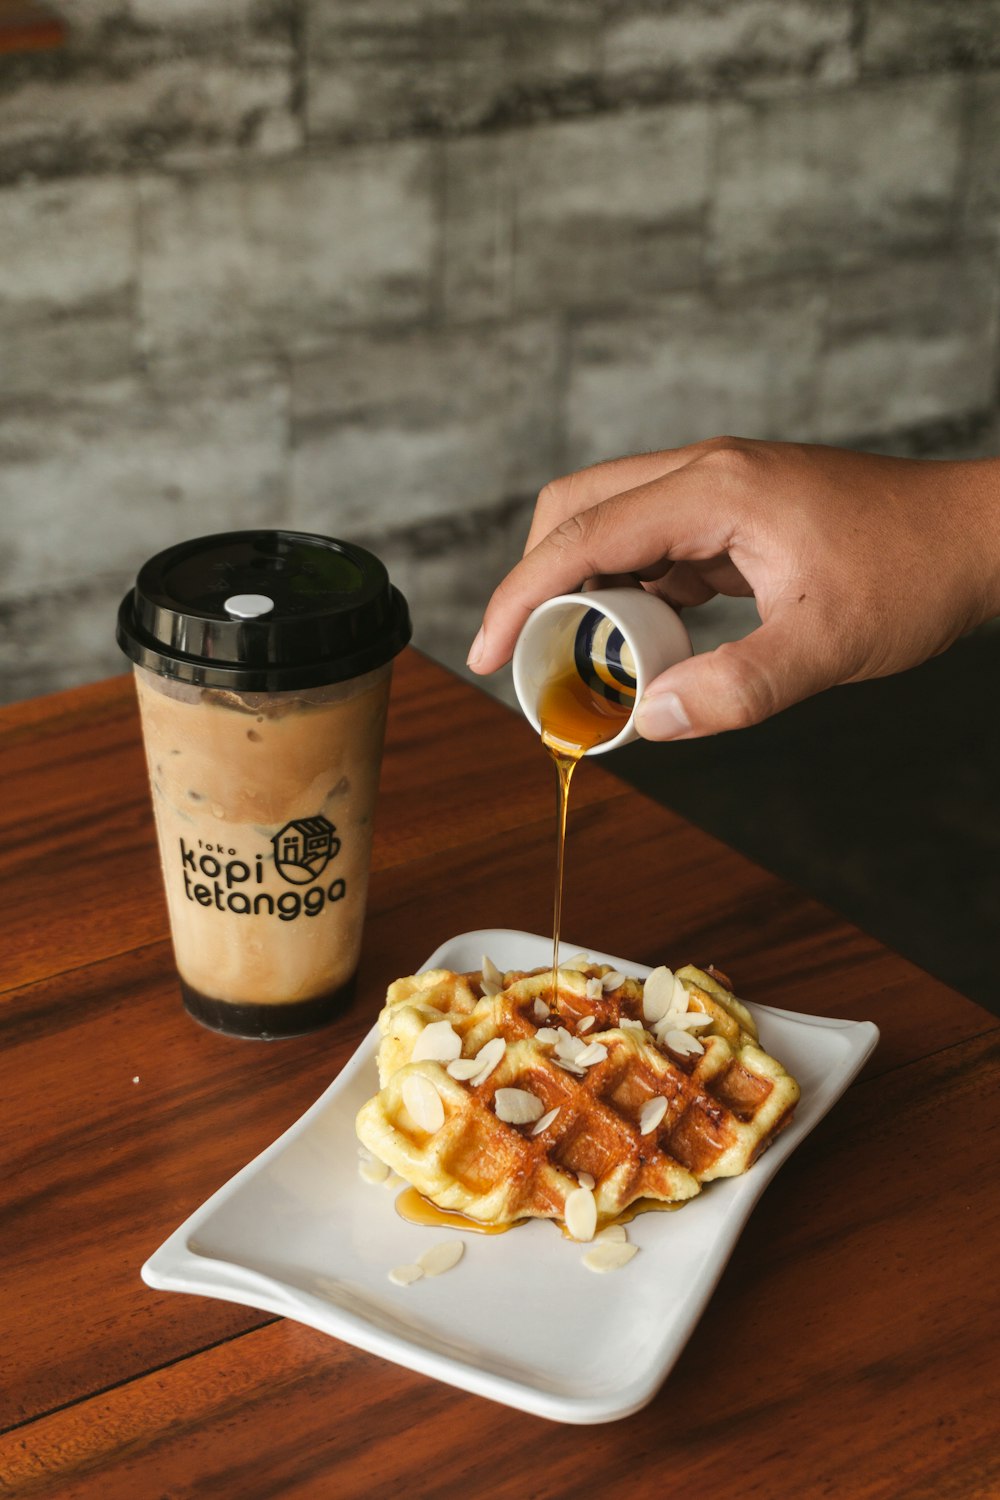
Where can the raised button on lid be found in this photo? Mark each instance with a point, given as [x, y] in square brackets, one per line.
[248, 606]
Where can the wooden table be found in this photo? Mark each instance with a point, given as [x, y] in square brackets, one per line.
[850, 1350]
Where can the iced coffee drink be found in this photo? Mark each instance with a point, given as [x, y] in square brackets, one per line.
[264, 814]
[264, 793]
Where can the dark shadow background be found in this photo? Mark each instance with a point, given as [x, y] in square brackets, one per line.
[880, 799]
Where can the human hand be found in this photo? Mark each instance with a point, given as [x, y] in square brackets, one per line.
[860, 566]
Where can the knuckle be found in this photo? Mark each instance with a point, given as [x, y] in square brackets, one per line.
[553, 496]
[546, 498]
[733, 459]
[572, 532]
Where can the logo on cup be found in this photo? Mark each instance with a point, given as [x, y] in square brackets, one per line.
[304, 848]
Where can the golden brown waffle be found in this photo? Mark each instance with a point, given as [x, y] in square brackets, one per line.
[723, 1097]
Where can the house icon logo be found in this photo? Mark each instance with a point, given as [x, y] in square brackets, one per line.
[304, 848]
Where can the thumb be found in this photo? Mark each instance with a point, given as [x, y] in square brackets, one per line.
[738, 684]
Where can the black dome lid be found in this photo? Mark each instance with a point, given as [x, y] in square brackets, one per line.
[263, 611]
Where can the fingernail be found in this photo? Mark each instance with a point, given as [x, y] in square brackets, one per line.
[662, 717]
[476, 649]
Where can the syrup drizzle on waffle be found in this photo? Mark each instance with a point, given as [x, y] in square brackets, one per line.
[630, 1108]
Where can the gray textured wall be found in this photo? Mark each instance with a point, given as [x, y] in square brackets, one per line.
[382, 267]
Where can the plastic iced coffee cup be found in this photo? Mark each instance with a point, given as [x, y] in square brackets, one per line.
[262, 662]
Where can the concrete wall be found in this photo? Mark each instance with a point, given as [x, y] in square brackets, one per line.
[382, 267]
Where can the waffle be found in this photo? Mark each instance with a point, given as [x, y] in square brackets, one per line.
[724, 1097]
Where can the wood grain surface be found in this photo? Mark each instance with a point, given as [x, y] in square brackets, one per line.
[850, 1350]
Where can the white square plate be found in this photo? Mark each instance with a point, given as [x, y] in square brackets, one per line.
[299, 1233]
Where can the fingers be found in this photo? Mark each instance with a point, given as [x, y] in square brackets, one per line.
[740, 683]
[684, 514]
[686, 584]
[572, 493]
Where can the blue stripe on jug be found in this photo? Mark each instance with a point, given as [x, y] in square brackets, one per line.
[603, 658]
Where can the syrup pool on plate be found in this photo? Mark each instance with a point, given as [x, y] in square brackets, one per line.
[416, 1209]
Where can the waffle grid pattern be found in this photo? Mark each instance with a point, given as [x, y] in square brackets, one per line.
[723, 1104]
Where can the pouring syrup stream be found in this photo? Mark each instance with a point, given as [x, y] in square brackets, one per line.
[574, 718]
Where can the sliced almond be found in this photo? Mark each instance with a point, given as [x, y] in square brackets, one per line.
[692, 1020]
[441, 1257]
[627, 1024]
[405, 1275]
[585, 1179]
[423, 1102]
[540, 1010]
[651, 1114]
[585, 1023]
[683, 1043]
[581, 1213]
[438, 1042]
[670, 1022]
[487, 1057]
[491, 972]
[517, 1106]
[569, 1067]
[567, 1045]
[612, 981]
[545, 1121]
[595, 989]
[547, 1035]
[615, 1232]
[372, 1171]
[464, 1068]
[489, 988]
[609, 1255]
[658, 994]
[589, 1056]
[578, 962]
